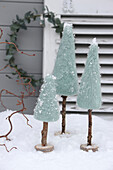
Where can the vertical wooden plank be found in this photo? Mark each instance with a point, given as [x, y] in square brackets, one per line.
[29, 41]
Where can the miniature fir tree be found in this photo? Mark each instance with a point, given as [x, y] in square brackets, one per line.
[65, 70]
[89, 96]
[47, 107]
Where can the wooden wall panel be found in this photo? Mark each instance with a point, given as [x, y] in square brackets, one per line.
[9, 10]
[23, 1]
[12, 86]
[11, 102]
[30, 64]
[29, 41]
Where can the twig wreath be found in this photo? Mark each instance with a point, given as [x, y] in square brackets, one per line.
[19, 24]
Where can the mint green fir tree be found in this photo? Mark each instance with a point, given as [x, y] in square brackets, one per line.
[47, 107]
[89, 96]
[65, 70]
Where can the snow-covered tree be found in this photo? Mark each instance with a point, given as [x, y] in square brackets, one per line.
[47, 107]
[89, 96]
[65, 70]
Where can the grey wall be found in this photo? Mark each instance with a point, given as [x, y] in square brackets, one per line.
[29, 41]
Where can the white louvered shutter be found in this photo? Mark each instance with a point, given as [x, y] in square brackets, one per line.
[87, 26]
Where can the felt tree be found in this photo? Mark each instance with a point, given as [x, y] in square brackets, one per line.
[47, 109]
[89, 96]
[65, 70]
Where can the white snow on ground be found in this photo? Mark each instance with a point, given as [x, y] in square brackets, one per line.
[66, 155]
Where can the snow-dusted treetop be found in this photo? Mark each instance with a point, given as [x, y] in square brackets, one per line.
[47, 107]
[65, 68]
[90, 88]
[67, 24]
[94, 41]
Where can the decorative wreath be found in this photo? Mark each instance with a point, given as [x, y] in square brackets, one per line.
[20, 23]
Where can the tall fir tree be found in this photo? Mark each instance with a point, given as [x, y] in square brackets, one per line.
[89, 96]
[65, 70]
[47, 107]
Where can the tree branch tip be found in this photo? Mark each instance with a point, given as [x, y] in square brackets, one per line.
[30, 125]
[8, 138]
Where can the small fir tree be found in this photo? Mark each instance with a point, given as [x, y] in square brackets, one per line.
[65, 70]
[89, 96]
[47, 107]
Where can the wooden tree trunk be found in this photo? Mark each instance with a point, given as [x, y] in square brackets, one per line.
[44, 134]
[63, 114]
[89, 128]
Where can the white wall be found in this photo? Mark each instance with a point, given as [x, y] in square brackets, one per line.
[83, 6]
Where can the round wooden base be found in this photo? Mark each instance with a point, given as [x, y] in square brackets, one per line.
[86, 148]
[47, 148]
[60, 134]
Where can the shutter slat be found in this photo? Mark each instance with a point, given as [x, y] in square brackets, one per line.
[86, 27]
